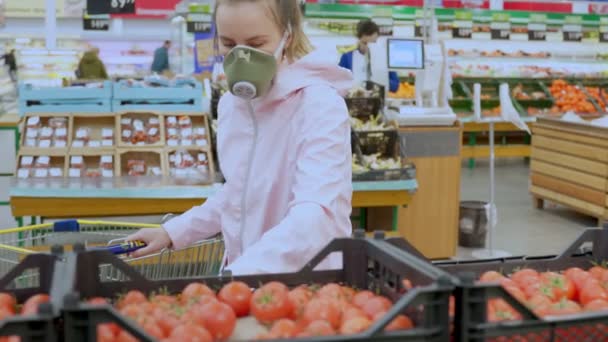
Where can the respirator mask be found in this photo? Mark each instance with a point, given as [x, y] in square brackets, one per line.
[250, 71]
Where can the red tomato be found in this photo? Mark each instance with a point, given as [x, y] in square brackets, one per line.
[6, 312]
[132, 297]
[349, 293]
[376, 305]
[578, 277]
[407, 284]
[506, 282]
[238, 295]
[557, 286]
[516, 293]
[31, 305]
[319, 328]
[217, 317]
[362, 297]
[355, 326]
[124, 336]
[153, 329]
[132, 311]
[401, 322]
[597, 305]
[491, 277]
[194, 291]
[331, 291]
[298, 298]
[167, 321]
[564, 307]
[190, 333]
[499, 310]
[8, 301]
[597, 272]
[351, 311]
[323, 309]
[522, 274]
[539, 304]
[271, 302]
[98, 301]
[592, 290]
[284, 328]
[105, 333]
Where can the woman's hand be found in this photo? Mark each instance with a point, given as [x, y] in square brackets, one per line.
[155, 238]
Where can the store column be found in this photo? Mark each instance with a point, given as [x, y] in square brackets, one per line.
[50, 24]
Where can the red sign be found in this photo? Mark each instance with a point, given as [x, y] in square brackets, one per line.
[151, 9]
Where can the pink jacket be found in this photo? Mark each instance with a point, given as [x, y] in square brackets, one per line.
[297, 195]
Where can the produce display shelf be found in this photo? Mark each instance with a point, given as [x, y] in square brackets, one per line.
[569, 166]
[471, 323]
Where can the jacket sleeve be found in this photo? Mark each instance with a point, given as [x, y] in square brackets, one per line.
[322, 191]
[393, 82]
[198, 223]
[345, 62]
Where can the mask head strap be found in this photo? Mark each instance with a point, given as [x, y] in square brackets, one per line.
[279, 51]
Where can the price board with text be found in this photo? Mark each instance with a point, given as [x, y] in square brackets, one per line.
[95, 7]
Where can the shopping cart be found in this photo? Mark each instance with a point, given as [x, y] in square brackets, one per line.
[200, 259]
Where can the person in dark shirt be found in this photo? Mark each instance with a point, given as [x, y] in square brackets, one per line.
[11, 61]
[161, 58]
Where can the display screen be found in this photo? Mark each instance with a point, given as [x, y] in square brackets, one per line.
[405, 54]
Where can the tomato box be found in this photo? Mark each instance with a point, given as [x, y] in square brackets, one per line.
[25, 310]
[368, 264]
[546, 298]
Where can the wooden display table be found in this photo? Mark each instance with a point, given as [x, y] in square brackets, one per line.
[139, 198]
[570, 166]
[430, 221]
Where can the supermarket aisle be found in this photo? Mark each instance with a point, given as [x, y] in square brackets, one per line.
[521, 228]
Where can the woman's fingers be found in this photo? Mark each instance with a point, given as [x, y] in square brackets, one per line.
[149, 249]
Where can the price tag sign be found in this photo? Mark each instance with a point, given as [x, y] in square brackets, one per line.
[95, 7]
[603, 30]
[463, 25]
[573, 29]
[199, 23]
[500, 28]
[421, 26]
[537, 27]
[89, 24]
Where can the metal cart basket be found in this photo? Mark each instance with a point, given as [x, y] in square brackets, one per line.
[201, 259]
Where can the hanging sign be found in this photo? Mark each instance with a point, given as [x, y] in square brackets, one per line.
[463, 24]
[110, 7]
[573, 29]
[198, 23]
[537, 27]
[500, 28]
[604, 30]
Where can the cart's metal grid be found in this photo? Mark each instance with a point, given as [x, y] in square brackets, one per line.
[202, 258]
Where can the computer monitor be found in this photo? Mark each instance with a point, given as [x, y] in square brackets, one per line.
[405, 53]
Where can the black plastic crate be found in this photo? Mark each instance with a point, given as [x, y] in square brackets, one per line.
[472, 299]
[405, 173]
[33, 275]
[387, 267]
[364, 108]
[384, 142]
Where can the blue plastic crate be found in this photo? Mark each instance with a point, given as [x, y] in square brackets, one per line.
[29, 92]
[92, 106]
[157, 99]
[69, 99]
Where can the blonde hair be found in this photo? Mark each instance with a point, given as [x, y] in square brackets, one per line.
[288, 17]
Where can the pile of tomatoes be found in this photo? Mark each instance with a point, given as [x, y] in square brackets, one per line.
[550, 293]
[570, 98]
[200, 314]
[9, 308]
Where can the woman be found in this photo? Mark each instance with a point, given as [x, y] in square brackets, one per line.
[283, 146]
[91, 67]
[358, 60]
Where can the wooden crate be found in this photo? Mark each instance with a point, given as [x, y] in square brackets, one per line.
[569, 166]
[96, 123]
[145, 116]
[91, 159]
[199, 120]
[203, 180]
[44, 121]
[55, 161]
[152, 156]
